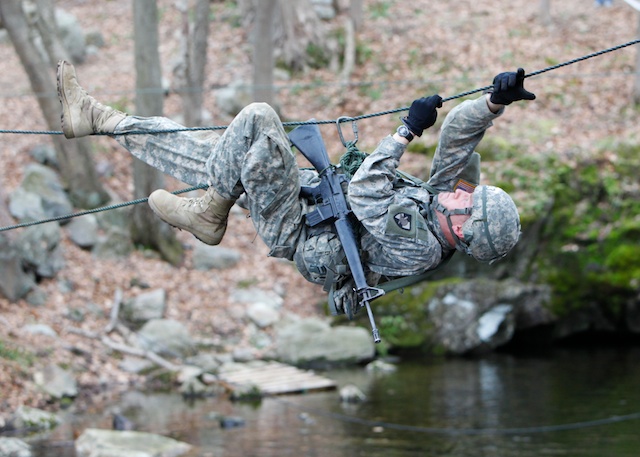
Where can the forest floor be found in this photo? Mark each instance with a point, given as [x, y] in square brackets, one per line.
[443, 47]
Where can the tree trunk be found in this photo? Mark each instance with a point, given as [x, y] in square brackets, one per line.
[636, 92]
[296, 29]
[76, 165]
[545, 12]
[263, 59]
[146, 229]
[195, 34]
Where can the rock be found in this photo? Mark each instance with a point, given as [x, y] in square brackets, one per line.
[262, 314]
[29, 418]
[41, 249]
[71, 34]
[135, 364]
[313, 341]
[39, 329]
[496, 326]
[231, 422]
[231, 99]
[120, 422]
[207, 257]
[324, 9]
[14, 447]
[114, 243]
[26, 206]
[462, 326]
[56, 382]
[379, 366]
[108, 443]
[83, 231]
[16, 283]
[44, 182]
[145, 307]
[44, 154]
[351, 394]
[255, 295]
[632, 315]
[166, 337]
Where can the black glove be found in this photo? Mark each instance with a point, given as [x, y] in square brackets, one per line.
[508, 87]
[422, 114]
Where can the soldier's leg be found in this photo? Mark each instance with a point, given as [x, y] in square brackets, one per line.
[178, 153]
[254, 156]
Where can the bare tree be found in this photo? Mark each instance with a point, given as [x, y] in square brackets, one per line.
[263, 59]
[76, 165]
[353, 22]
[636, 92]
[193, 61]
[297, 29]
[545, 12]
[145, 227]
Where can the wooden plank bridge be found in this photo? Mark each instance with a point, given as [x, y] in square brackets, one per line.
[274, 378]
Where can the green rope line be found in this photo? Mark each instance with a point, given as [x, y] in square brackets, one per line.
[350, 161]
[356, 118]
[95, 210]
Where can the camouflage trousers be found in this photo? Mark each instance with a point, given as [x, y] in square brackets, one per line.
[251, 157]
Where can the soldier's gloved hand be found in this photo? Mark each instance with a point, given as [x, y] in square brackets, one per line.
[345, 299]
[422, 114]
[508, 87]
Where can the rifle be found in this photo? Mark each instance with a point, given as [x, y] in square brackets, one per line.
[332, 207]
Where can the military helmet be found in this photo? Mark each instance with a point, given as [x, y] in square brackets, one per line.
[493, 228]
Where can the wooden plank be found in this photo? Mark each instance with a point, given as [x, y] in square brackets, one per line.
[276, 378]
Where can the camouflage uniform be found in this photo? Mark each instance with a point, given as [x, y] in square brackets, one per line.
[253, 157]
[400, 240]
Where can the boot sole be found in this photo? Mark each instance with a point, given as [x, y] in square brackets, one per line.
[66, 113]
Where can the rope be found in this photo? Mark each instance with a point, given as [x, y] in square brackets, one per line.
[91, 211]
[353, 154]
[356, 118]
[466, 431]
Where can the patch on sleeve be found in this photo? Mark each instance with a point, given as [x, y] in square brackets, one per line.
[402, 221]
[464, 185]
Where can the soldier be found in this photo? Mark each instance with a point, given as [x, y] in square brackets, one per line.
[408, 227]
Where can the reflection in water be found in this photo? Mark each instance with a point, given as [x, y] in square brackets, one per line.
[498, 405]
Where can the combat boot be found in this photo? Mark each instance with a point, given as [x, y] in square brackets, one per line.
[82, 115]
[205, 217]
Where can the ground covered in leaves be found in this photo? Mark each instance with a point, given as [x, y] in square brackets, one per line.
[432, 47]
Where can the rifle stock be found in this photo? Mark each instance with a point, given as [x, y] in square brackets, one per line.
[332, 207]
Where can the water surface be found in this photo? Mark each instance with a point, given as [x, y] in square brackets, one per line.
[569, 402]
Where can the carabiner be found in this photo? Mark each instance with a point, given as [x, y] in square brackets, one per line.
[354, 127]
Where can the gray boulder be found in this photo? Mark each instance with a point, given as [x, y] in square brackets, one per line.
[56, 382]
[109, 443]
[313, 341]
[83, 231]
[14, 447]
[72, 35]
[214, 257]
[145, 307]
[15, 283]
[41, 249]
[44, 182]
[29, 418]
[167, 337]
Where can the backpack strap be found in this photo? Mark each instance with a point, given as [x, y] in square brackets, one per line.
[406, 281]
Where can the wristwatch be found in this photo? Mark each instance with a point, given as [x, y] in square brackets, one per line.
[404, 132]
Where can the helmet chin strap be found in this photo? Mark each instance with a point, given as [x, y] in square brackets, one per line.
[439, 207]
